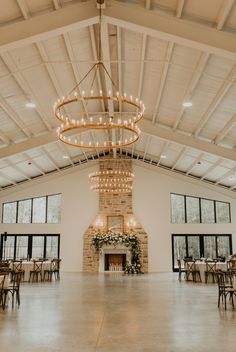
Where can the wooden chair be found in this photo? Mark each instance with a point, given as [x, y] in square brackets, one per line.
[2, 280]
[17, 268]
[224, 289]
[37, 270]
[180, 268]
[14, 290]
[192, 271]
[54, 269]
[210, 270]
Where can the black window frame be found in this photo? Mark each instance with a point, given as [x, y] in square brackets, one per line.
[30, 243]
[31, 209]
[201, 243]
[200, 209]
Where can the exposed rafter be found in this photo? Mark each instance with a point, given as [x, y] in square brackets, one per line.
[230, 124]
[56, 4]
[227, 174]
[229, 80]
[163, 148]
[211, 168]
[163, 79]
[142, 58]
[179, 156]
[180, 7]
[23, 8]
[192, 85]
[23, 84]
[50, 158]
[224, 13]
[194, 163]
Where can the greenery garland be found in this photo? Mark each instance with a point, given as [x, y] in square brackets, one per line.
[129, 240]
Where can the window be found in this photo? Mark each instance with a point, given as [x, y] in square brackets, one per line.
[193, 210]
[198, 246]
[188, 209]
[9, 213]
[54, 209]
[30, 246]
[38, 210]
[177, 209]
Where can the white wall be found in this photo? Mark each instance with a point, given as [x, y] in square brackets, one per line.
[151, 200]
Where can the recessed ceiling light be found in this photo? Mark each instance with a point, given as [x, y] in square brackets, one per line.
[187, 104]
[163, 156]
[199, 163]
[30, 105]
[65, 156]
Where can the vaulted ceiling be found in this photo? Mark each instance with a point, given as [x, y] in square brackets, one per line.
[166, 52]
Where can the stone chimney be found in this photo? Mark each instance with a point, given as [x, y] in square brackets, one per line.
[111, 205]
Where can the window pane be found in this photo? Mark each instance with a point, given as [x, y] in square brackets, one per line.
[177, 209]
[24, 211]
[223, 247]
[194, 246]
[21, 247]
[210, 247]
[179, 249]
[39, 210]
[54, 209]
[38, 247]
[207, 211]
[193, 214]
[8, 247]
[52, 247]
[222, 212]
[9, 213]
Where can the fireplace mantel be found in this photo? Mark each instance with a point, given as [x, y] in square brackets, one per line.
[121, 249]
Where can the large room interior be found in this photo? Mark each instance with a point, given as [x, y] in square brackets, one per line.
[118, 170]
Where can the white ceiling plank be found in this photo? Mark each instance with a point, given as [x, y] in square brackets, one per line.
[228, 82]
[32, 161]
[50, 70]
[179, 156]
[7, 178]
[148, 141]
[194, 163]
[226, 175]
[167, 134]
[14, 166]
[169, 52]
[65, 152]
[23, 8]
[47, 25]
[164, 147]
[26, 89]
[142, 58]
[211, 168]
[180, 7]
[170, 28]
[95, 55]
[50, 158]
[229, 125]
[15, 117]
[224, 13]
[204, 57]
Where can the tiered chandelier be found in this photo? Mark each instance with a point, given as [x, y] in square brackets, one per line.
[112, 181]
[113, 120]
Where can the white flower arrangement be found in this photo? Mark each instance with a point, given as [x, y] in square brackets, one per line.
[128, 239]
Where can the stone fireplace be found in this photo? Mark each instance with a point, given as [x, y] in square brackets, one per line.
[117, 210]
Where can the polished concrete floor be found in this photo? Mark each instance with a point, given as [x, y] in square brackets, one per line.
[112, 312]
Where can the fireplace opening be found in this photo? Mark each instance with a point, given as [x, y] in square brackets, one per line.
[114, 262]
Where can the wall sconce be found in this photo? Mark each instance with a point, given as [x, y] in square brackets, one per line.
[131, 223]
[99, 222]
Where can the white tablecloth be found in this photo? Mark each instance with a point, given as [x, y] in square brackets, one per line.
[202, 268]
[27, 266]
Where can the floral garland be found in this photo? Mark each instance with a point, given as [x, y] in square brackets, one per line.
[128, 239]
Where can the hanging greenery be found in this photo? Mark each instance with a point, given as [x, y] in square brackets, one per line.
[129, 240]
